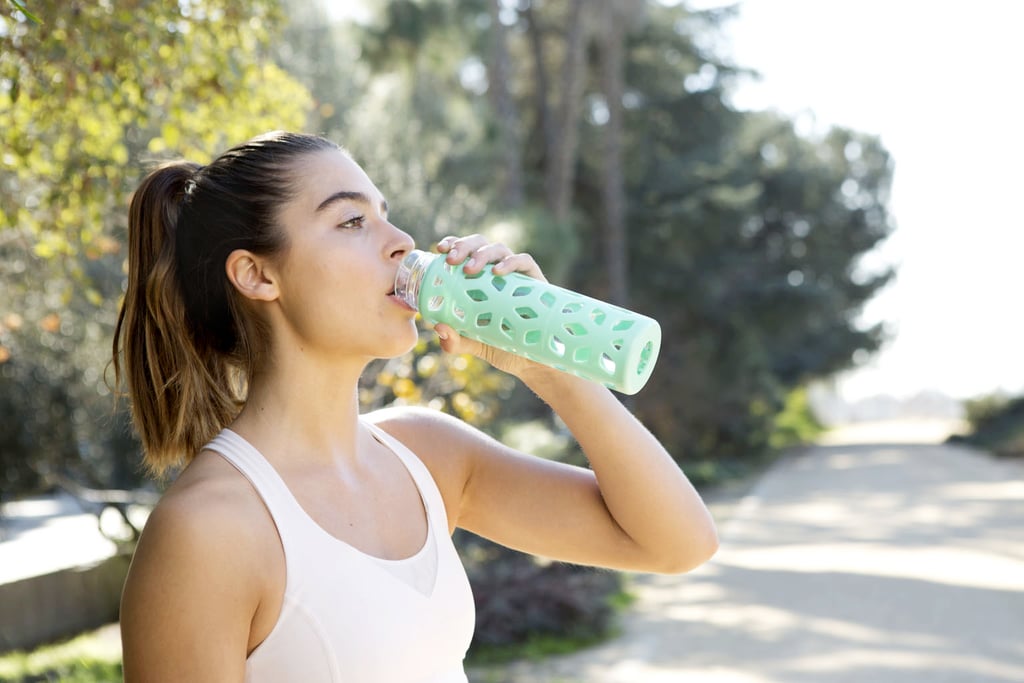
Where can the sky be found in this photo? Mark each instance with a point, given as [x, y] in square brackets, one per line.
[939, 82]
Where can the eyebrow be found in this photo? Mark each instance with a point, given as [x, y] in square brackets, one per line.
[347, 195]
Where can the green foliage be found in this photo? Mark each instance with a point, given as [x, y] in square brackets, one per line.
[745, 241]
[536, 646]
[996, 424]
[96, 90]
[20, 6]
[85, 659]
[88, 100]
[984, 410]
[527, 607]
[796, 424]
[744, 235]
[464, 386]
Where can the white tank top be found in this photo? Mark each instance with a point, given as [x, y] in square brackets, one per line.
[351, 617]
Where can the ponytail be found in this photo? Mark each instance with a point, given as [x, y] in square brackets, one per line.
[186, 343]
[180, 397]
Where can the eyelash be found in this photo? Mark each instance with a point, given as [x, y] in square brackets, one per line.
[353, 223]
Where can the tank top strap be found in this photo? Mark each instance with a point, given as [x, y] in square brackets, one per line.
[420, 474]
[261, 474]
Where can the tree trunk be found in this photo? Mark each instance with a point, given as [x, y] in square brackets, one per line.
[561, 161]
[505, 115]
[540, 76]
[616, 250]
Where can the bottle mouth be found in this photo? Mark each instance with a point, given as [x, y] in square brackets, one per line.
[410, 275]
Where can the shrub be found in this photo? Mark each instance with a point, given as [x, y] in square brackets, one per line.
[522, 601]
[997, 425]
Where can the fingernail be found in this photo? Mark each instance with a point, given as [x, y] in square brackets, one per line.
[453, 252]
[470, 263]
[442, 335]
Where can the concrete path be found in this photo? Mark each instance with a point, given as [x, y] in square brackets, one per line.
[874, 557]
[45, 534]
[59, 575]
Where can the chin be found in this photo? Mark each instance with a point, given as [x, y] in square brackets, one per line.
[401, 345]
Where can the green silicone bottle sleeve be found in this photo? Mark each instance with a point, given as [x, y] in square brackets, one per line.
[540, 321]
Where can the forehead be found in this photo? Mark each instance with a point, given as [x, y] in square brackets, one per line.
[323, 173]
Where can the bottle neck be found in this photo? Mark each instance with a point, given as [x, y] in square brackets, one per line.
[410, 276]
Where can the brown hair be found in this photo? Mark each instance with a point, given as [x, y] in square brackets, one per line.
[185, 344]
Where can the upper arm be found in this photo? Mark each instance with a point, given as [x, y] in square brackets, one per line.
[191, 593]
[524, 502]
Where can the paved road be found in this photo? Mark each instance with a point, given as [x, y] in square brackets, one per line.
[886, 562]
[44, 534]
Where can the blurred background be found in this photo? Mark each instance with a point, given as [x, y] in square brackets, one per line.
[934, 86]
[812, 198]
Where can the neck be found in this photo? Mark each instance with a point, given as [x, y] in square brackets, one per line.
[304, 408]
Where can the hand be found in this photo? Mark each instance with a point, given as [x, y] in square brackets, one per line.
[476, 252]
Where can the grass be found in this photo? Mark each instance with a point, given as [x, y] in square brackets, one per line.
[88, 658]
[536, 647]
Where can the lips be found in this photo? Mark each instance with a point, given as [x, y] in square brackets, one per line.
[399, 300]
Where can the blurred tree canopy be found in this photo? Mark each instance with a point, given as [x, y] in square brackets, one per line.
[89, 98]
[597, 135]
[603, 141]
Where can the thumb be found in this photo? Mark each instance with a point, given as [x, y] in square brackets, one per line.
[452, 342]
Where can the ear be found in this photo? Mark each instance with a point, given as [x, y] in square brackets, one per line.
[250, 275]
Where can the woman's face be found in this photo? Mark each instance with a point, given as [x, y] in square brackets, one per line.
[337, 270]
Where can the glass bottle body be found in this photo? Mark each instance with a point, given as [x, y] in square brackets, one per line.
[546, 323]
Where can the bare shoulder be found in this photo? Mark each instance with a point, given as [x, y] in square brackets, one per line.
[211, 500]
[431, 434]
[417, 423]
[199, 574]
[446, 445]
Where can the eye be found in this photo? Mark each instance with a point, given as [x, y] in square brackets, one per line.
[353, 223]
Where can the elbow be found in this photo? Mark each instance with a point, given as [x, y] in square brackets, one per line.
[698, 549]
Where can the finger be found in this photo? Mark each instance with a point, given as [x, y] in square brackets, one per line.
[452, 342]
[446, 243]
[494, 252]
[519, 263]
[445, 333]
[458, 248]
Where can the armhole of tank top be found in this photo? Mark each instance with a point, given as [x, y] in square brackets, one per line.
[224, 446]
[425, 482]
[219, 446]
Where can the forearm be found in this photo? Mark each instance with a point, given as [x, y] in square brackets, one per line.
[645, 491]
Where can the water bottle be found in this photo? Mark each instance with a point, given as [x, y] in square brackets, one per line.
[534, 319]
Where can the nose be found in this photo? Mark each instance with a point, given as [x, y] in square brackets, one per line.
[400, 244]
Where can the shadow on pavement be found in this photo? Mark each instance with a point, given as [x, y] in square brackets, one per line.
[885, 562]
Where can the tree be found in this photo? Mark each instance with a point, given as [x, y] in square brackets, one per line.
[510, 191]
[747, 235]
[88, 99]
[738, 234]
[561, 160]
[617, 17]
[87, 94]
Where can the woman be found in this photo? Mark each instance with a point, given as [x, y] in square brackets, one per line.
[303, 541]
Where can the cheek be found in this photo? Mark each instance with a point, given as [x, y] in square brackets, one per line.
[313, 294]
[319, 277]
